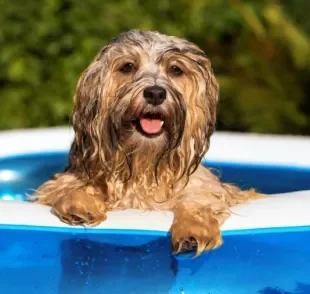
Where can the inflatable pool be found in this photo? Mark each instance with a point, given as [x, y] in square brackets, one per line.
[266, 243]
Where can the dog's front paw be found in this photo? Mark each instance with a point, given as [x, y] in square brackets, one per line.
[78, 207]
[195, 233]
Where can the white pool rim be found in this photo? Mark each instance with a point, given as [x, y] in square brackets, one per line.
[225, 147]
[285, 210]
[278, 211]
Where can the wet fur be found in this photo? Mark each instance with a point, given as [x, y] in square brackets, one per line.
[113, 166]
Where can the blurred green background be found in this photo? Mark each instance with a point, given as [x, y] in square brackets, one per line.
[259, 50]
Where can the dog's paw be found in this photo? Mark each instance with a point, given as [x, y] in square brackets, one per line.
[78, 208]
[195, 234]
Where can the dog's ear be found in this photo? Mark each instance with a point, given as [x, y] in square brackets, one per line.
[208, 101]
[212, 87]
[95, 137]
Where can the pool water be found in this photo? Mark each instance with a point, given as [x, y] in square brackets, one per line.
[80, 262]
[22, 174]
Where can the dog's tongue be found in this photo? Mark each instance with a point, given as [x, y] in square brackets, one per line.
[151, 125]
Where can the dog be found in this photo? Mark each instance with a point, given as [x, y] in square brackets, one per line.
[144, 112]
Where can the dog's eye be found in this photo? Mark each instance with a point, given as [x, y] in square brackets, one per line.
[127, 67]
[175, 70]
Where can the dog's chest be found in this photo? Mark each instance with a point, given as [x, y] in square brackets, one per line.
[138, 196]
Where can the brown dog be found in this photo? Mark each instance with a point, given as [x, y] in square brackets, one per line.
[144, 111]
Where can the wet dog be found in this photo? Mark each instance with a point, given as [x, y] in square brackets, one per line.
[144, 111]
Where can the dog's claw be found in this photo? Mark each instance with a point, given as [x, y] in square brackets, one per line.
[189, 235]
[176, 247]
[199, 246]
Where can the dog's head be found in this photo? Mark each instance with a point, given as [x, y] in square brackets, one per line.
[145, 93]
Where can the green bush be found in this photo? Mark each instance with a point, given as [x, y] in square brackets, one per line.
[259, 50]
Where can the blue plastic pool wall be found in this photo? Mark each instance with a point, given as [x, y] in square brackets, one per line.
[60, 261]
[29, 171]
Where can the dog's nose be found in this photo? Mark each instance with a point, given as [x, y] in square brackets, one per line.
[154, 95]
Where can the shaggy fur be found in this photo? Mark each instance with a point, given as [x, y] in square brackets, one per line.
[113, 164]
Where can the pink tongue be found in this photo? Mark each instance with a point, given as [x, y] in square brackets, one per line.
[150, 126]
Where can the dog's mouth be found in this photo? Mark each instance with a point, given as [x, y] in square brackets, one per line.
[150, 124]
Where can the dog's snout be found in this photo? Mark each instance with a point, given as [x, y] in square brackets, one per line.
[155, 95]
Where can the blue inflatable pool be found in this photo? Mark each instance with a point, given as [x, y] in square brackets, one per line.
[266, 243]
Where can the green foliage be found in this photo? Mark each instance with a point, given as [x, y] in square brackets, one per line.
[259, 50]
